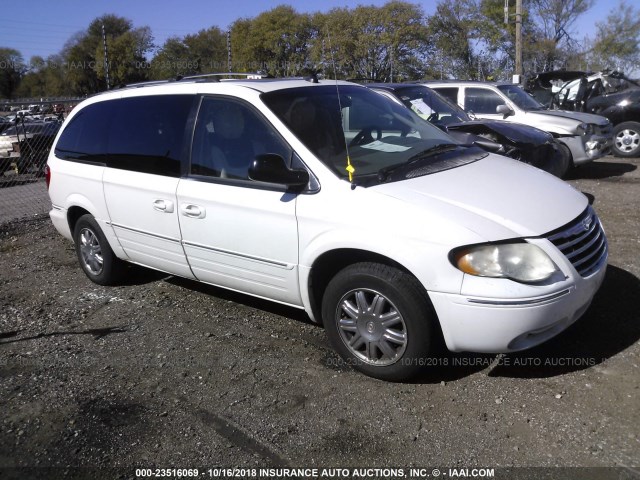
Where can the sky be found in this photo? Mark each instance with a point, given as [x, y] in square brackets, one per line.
[41, 27]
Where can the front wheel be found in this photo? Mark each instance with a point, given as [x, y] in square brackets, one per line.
[626, 139]
[96, 258]
[562, 160]
[379, 320]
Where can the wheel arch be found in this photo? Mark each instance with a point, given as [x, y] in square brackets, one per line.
[329, 263]
[73, 214]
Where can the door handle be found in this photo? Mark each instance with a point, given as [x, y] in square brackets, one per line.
[164, 206]
[192, 211]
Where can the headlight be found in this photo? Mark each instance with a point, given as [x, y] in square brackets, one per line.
[585, 129]
[522, 262]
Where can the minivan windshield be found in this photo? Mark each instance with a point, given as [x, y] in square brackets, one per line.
[521, 98]
[349, 121]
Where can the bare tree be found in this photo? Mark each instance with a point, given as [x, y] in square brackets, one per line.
[555, 41]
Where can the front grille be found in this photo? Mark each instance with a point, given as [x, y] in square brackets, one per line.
[583, 242]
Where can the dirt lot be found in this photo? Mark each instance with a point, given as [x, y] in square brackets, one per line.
[165, 372]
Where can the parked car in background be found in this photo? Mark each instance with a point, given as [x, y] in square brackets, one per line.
[520, 142]
[328, 197]
[25, 146]
[585, 137]
[607, 93]
[4, 124]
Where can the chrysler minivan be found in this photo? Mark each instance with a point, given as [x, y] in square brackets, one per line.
[331, 198]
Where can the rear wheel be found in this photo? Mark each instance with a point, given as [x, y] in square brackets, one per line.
[379, 320]
[96, 258]
[626, 139]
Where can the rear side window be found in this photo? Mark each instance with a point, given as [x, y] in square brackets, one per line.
[450, 93]
[147, 134]
[85, 137]
[482, 100]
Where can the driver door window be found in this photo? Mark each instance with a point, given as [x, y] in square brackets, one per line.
[228, 136]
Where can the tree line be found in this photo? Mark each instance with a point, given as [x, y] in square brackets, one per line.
[463, 39]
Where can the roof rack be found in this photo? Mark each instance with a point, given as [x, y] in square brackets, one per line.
[312, 76]
[216, 76]
[200, 76]
[142, 84]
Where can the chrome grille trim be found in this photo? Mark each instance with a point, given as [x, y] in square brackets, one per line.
[583, 242]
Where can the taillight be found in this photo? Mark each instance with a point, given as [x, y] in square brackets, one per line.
[47, 175]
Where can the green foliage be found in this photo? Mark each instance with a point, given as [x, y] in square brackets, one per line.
[275, 42]
[127, 57]
[388, 43]
[11, 68]
[617, 43]
[465, 39]
[204, 52]
[451, 28]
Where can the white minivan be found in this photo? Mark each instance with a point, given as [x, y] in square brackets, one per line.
[330, 198]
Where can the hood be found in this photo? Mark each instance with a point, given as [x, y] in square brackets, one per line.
[497, 198]
[515, 132]
[561, 115]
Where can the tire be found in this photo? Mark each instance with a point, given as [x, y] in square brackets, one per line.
[389, 330]
[96, 258]
[563, 162]
[626, 139]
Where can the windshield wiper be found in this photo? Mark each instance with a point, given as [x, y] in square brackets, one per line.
[384, 172]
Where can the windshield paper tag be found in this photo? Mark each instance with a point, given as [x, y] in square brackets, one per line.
[421, 108]
[385, 147]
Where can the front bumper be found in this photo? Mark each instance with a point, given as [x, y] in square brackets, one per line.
[495, 325]
[587, 148]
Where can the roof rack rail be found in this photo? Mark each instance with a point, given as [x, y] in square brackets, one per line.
[216, 76]
[180, 78]
[143, 84]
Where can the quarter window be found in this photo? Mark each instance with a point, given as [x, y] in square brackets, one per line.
[85, 138]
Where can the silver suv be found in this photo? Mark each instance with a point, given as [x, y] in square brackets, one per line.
[585, 136]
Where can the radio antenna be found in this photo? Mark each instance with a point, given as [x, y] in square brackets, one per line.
[349, 168]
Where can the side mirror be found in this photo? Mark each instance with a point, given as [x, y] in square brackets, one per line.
[504, 110]
[271, 168]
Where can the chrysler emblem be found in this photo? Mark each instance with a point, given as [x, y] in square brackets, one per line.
[586, 223]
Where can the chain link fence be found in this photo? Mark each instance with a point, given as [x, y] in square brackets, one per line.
[26, 136]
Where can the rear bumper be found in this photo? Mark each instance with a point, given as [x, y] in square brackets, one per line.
[58, 217]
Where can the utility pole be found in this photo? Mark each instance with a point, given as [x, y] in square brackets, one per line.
[106, 57]
[517, 77]
[229, 50]
[518, 37]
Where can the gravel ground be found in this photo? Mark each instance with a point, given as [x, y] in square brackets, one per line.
[166, 372]
[21, 196]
